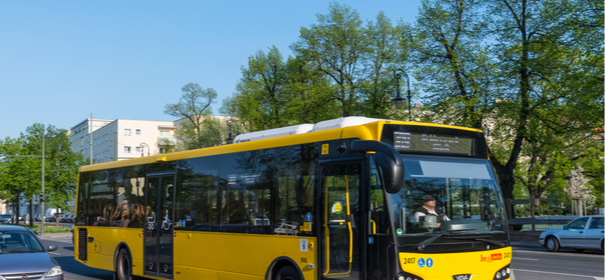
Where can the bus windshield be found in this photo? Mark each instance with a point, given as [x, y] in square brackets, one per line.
[439, 195]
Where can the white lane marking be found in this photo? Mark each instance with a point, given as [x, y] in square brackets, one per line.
[565, 274]
[54, 253]
[525, 259]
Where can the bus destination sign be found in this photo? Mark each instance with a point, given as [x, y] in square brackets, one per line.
[425, 142]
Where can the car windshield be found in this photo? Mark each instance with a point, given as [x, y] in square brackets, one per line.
[14, 242]
[450, 196]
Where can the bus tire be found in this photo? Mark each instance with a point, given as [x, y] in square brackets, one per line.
[552, 244]
[124, 265]
[287, 273]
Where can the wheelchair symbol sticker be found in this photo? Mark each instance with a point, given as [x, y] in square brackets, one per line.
[421, 262]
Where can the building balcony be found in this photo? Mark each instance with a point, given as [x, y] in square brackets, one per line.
[167, 141]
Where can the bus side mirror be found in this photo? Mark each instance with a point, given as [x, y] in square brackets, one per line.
[388, 160]
[391, 173]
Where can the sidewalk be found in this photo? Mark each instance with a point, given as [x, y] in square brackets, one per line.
[525, 244]
[56, 235]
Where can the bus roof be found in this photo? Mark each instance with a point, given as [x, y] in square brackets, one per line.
[342, 128]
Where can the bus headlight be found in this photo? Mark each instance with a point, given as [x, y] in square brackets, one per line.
[502, 273]
[55, 271]
[408, 276]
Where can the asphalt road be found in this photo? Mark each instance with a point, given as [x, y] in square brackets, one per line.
[528, 263]
[539, 264]
[73, 270]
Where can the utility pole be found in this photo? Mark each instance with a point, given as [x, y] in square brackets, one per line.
[90, 131]
[43, 198]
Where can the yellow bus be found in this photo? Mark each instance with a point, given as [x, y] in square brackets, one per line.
[351, 198]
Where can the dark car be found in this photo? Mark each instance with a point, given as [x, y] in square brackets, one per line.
[23, 256]
[53, 218]
[67, 219]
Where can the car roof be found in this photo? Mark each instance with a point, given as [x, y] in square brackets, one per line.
[14, 228]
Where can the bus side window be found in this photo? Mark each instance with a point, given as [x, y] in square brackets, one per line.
[294, 205]
[294, 194]
[379, 216]
[196, 200]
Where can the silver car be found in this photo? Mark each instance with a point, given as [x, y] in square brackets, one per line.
[6, 219]
[23, 256]
[579, 234]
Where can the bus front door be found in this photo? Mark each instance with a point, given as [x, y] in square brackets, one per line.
[340, 201]
[158, 232]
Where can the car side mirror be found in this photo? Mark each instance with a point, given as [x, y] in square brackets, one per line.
[565, 228]
[52, 247]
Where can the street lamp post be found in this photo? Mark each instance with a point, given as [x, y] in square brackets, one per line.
[230, 138]
[142, 150]
[398, 100]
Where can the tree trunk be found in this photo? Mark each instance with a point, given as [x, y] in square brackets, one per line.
[17, 208]
[31, 211]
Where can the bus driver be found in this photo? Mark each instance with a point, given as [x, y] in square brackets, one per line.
[428, 209]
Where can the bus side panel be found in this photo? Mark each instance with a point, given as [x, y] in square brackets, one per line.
[103, 247]
[482, 265]
[239, 256]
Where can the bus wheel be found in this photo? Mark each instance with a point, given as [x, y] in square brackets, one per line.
[552, 244]
[287, 273]
[124, 266]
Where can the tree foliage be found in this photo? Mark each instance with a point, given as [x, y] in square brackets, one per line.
[341, 67]
[530, 73]
[514, 67]
[21, 174]
[194, 110]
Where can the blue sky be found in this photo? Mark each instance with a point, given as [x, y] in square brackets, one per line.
[62, 60]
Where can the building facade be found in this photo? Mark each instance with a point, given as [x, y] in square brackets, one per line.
[121, 139]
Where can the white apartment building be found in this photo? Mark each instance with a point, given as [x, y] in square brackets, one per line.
[121, 139]
[112, 140]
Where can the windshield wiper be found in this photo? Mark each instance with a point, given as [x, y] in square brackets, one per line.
[427, 242]
[495, 243]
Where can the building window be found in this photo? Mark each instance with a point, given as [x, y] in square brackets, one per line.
[127, 132]
[138, 149]
[138, 132]
[127, 149]
[164, 133]
[164, 150]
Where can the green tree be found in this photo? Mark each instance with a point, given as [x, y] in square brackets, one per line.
[312, 100]
[340, 68]
[14, 171]
[213, 133]
[261, 97]
[337, 45]
[453, 68]
[514, 67]
[542, 52]
[22, 175]
[387, 50]
[194, 109]
[275, 93]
